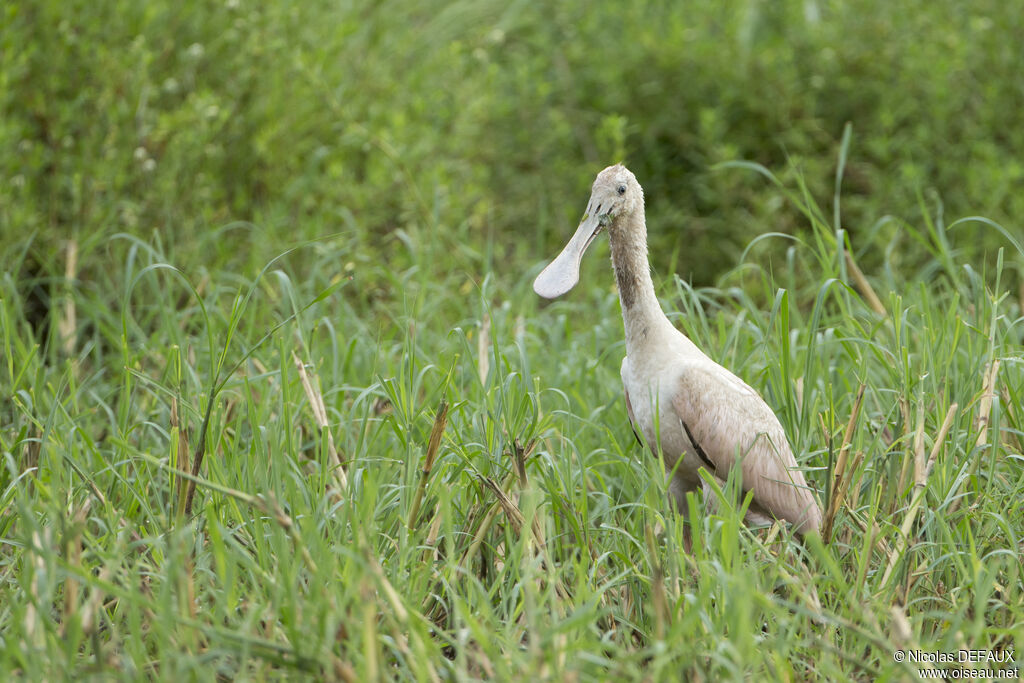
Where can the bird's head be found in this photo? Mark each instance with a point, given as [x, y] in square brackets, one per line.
[614, 195]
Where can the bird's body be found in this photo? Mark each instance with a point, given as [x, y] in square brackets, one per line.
[689, 408]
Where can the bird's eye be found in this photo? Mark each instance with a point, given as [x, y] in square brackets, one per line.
[622, 189]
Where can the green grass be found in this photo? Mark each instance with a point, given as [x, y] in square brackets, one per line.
[196, 194]
[278, 571]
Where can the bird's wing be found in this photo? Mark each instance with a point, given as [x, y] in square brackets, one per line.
[725, 421]
[629, 406]
[632, 418]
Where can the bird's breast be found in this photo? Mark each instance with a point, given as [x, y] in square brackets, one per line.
[650, 388]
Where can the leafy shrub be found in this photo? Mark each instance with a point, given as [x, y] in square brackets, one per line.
[484, 123]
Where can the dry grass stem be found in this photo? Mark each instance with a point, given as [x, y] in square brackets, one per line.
[985, 405]
[67, 326]
[483, 348]
[34, 629]
[91, 612]
[920, 483]
[908, 458]
[277, 513]
[863, 286]
[180, 434]
[433, 445]
[519, 458]
[478, 538]
[661, 614]
[515, 516]
[392, 596]
[73, 552]
[981, 423]
[919, 456]
[876, 536]
[431, 554]
[842, 475]
[316, 404]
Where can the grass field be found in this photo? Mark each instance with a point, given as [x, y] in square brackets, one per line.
[277, 400]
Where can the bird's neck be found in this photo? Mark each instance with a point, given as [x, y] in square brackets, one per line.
[641, 312]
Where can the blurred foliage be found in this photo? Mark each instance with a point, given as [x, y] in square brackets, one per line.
[484, 122]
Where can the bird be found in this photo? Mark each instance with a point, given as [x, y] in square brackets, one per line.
[692, 410]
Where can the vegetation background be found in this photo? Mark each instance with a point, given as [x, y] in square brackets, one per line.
[196, 194]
